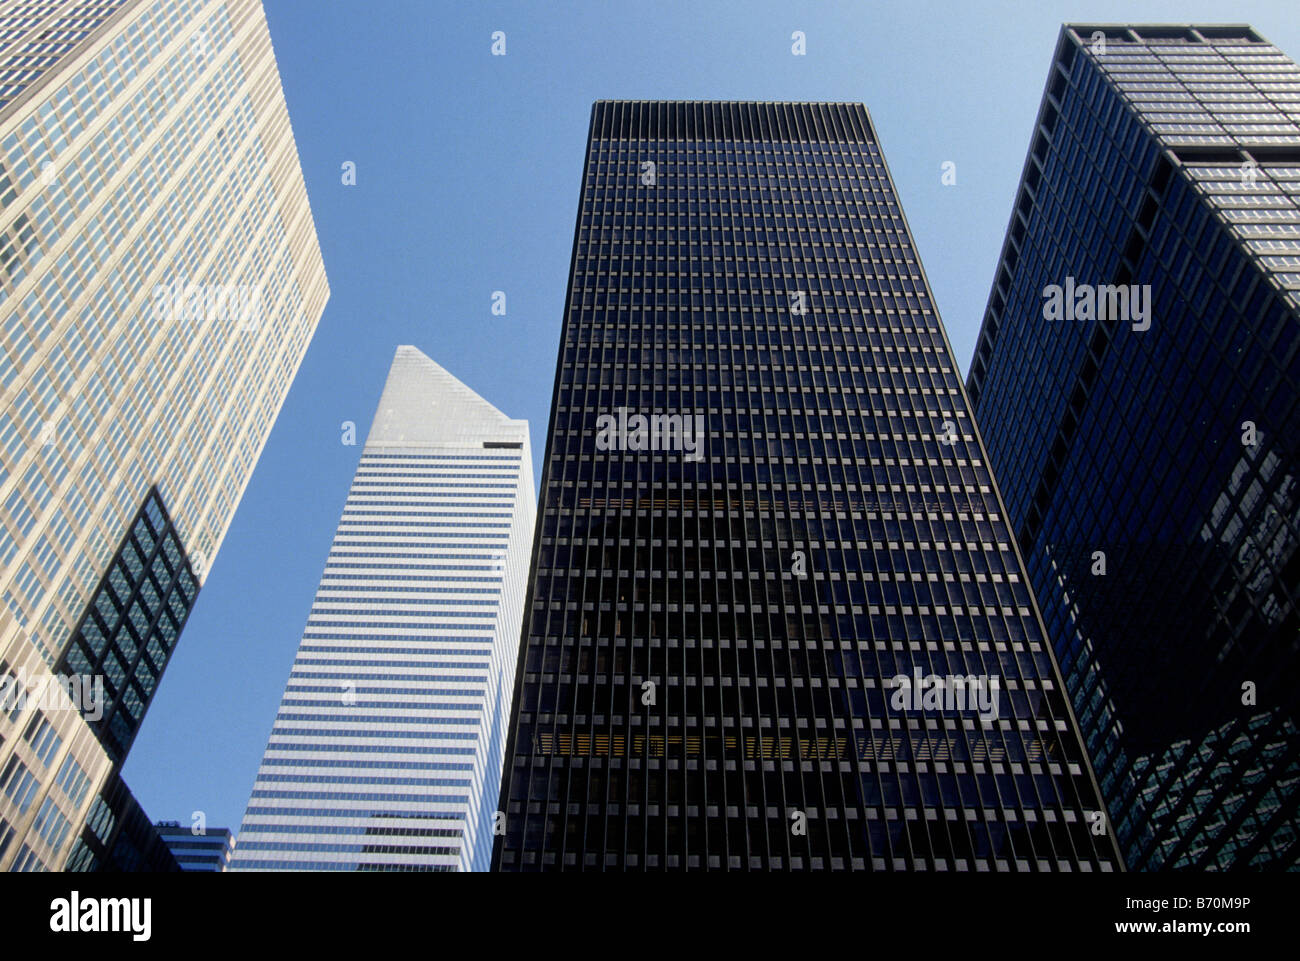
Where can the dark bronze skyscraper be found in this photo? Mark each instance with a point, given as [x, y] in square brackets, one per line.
[1136, 379]
[776, 619]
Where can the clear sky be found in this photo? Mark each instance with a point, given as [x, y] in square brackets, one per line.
[468, 168]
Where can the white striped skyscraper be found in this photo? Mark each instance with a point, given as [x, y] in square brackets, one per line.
[386, 752]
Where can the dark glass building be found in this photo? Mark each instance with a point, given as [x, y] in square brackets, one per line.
[125, 639]
[119, 837]
[1146, 442]
[205, 849]
[776, 618]
[130, 627]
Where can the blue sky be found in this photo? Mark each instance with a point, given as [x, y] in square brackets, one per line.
[468, 169]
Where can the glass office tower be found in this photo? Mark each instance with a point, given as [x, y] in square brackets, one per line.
[160, 279]
[386, 752]
[1146, 443]
[776, 618]
[204, 849]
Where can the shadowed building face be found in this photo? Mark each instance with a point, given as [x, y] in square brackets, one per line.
[1150, 468]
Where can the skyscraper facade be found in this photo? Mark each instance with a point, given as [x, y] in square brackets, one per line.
[776, 618]
[386, 751]
[160, 279]
[197, 849]
[1136, 380]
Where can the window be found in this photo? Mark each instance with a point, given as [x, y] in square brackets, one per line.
[18, 784]
[43, 739]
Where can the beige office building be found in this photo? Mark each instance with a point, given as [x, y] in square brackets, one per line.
[160, 279]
